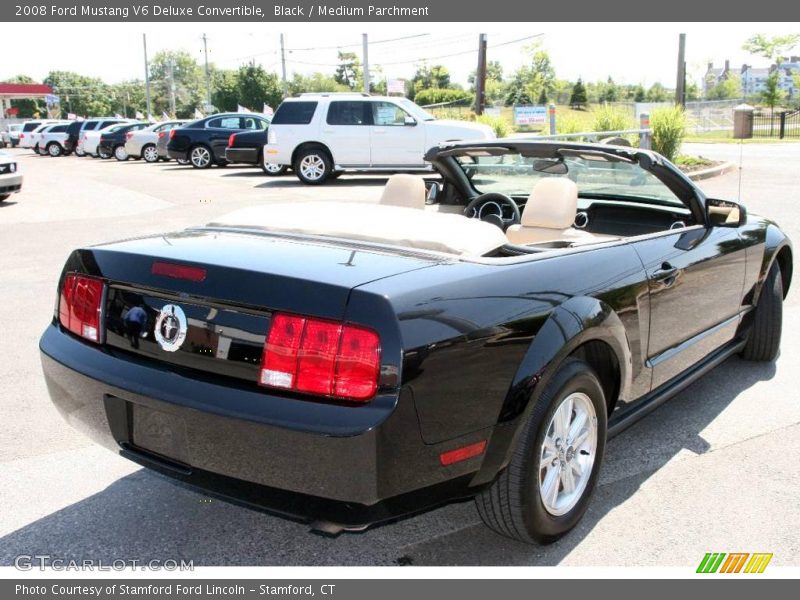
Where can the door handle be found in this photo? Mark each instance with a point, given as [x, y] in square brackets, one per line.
[666, 273]
[328, 131]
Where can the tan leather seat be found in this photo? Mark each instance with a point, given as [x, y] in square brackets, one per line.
[404, 190]
[549, 214]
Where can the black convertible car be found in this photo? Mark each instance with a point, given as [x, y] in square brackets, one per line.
[202, 143]
[479, 335]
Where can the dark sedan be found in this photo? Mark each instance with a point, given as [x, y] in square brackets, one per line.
[203, 142]
[479, 335]
[248, 147]
[113, 142]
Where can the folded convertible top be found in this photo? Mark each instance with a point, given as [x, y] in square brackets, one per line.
[392, 225]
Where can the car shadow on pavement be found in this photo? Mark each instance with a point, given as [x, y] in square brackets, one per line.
[290, 181]
[144, 516]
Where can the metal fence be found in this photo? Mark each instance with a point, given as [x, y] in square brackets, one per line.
[771, 124]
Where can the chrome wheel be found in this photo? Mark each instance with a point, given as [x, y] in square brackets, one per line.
[312, 167]
[150, 154]
[200, 157]
[568, 453]
[54, 150]
[120, 153]
[273, 168]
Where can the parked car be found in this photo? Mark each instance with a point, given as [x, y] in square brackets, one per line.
[52, 140]
[112, 142]
[142, 143]
[203, 142]
[247, 147]
[323, 135]
[12, 135]
[481, 335]
[29, 136]
[161, 147]
[90, 140]
[76, 130]
[10, 176]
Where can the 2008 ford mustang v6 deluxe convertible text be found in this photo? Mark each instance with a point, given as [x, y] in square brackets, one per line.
[480, 334]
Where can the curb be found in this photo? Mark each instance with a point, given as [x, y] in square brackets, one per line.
[726, 167]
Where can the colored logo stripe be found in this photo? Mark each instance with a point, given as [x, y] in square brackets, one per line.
[714, 562]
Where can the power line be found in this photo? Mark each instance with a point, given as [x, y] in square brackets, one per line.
[473, 51]
[397, 39]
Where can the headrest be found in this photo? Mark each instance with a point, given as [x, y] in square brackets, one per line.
[404, 190]
[552, 204]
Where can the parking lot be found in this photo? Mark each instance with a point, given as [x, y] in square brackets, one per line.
[715, 469]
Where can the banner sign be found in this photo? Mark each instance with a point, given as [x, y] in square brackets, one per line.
[530, 115]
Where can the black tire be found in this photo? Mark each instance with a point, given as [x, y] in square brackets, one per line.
[150, 153]
[4, 197]
[764, 340]
[183, 161]
[116, 153]
[103, 155]
[276, 172]
[54, 149]
[318, 156]
[337, 174]
[513, 506]
[36, 149]
[201, 156]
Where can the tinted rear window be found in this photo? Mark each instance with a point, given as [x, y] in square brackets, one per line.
[30, 126]
[58, 129]
[349, 113]
[294, 113]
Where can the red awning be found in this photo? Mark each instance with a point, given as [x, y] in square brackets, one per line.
[24, 89]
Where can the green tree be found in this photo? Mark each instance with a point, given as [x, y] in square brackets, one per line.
[578, 98]
[657, 93]
[772, 95]
[316, 82]
[255, 86]
[639, 95]
[128, 98]
[728, 88]
[82, 95]
[610, 91]
[429, 77]
[187, 79]
[348, 73]
[774, 49]
[225, 86]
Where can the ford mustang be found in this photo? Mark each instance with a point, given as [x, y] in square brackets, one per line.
[477, 335]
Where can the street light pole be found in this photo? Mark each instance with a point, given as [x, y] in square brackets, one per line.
[146, 77]
[365, 47]
[480, 76]
[680, 87]
[208, 77]
[283, 68]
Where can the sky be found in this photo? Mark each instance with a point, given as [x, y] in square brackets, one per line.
[629, 52]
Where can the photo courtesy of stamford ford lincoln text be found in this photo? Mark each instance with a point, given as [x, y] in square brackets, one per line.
[399, 298]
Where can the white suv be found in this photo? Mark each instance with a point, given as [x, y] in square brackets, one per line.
[324, 135]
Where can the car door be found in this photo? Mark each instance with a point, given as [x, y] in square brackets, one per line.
[346, 132]
[218, 131]
[396, 138]
[696, 281]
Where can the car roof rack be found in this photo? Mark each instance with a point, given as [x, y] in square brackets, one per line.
[325, 94]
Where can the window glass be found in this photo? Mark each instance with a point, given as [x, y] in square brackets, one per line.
[225, 123]
[348, 113]
[59, 129]
[294, 113]
[388, 113]
[255, 123]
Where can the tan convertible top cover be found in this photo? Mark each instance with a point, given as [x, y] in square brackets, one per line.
[382, 224]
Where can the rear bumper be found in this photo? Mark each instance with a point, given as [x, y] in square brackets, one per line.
[242, 155]
[10, 183]
[261, 457]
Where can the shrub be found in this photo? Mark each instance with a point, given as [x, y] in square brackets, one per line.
[668, 126]
[611, 118]
[501, 127]
[439, 95]
[569, 124]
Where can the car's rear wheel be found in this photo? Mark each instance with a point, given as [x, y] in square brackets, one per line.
[273, 170]
[764, 340]
[4, 197]
[54, 149]
[183, 161]
[150, 153]
[103, 153]
[313, 165]
[120, 153]
[546, 487]
[79, 153]
[36, 148]
[200, 157]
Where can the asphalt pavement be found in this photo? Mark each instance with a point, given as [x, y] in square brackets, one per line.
[715, 469]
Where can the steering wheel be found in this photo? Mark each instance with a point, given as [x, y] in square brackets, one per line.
[489, 207]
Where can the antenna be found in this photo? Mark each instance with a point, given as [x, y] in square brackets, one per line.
[741, 157]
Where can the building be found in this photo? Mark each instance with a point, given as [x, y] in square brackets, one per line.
[754, 79]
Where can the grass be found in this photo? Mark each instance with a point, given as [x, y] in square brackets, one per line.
[726, 137]
[685, 160]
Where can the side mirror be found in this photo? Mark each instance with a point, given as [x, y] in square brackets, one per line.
[725, 213]
[410, 122]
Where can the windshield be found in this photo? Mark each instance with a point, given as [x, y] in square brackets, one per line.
[415, 111]
[513, 174]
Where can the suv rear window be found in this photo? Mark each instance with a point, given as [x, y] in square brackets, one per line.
[349, 113]
[294, 113]
[30, 126]
[58, 129]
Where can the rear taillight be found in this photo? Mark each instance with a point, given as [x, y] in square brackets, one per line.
[161, 134]
[129, 135]
[21, 136]
[320, 357]
[171, 133]
[80, 304]
[231, 140]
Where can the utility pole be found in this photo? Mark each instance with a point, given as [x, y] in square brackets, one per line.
[283, 68]
[146, 77]
[480, 76]
[208, 78]
[171, 78]
[365, 49]
[680, 87]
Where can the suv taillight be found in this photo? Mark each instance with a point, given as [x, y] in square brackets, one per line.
[320, 357]
[231, 140]
[80, 304]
